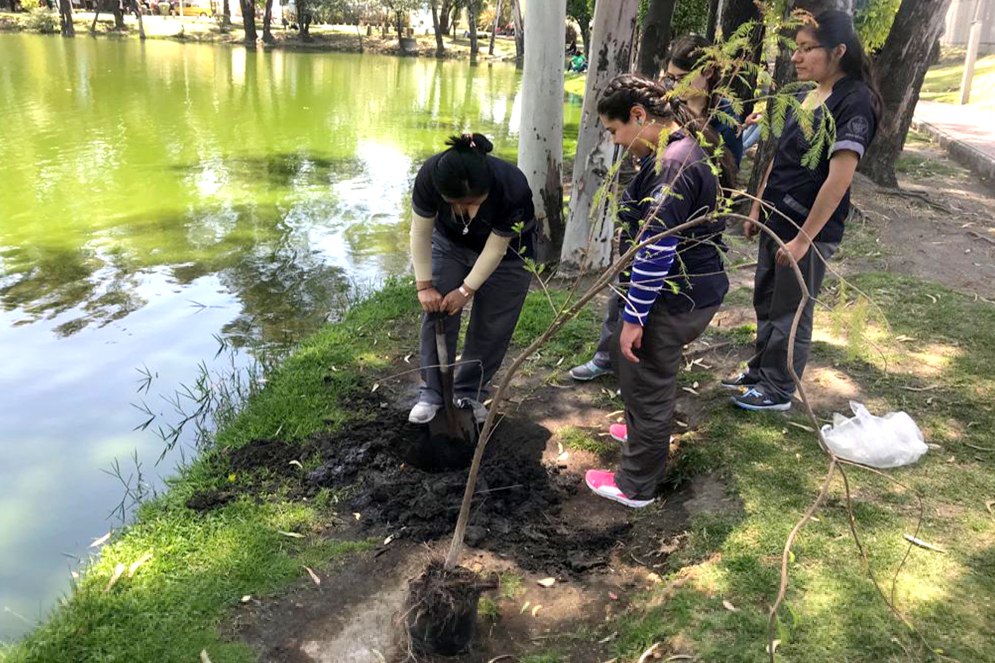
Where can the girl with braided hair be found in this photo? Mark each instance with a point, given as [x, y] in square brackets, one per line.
[675, 284]
[472, 224]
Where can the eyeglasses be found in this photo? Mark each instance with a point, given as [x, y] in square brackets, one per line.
[675, 78]
[805, 50]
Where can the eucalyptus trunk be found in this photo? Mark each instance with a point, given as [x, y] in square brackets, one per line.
[471, 12]
[587, 240]
[267, 21]
[66, 18]
[900, 68]
[249, 20]
[440, 46]
[226, 14]
[655, 39]
[494, 28]
[520, 34]
[540, 144]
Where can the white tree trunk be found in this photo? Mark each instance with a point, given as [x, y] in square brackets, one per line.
[589, 230]
[540, 137]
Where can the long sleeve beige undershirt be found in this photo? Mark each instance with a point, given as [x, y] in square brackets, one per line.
[421, 253]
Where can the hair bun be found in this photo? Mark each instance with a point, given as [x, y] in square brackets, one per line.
[471, 142]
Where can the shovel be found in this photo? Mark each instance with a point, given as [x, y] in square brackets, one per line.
[455, 423]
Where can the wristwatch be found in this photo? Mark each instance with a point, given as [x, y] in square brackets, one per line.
[466, 293]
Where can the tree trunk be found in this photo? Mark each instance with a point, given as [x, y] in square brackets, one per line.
[589, 230]
[713, 20]
[118, 15]
[520, 34]
[400, 25]
[96, 15]
[784, 72]
[585, 35]
[900, 68]
[444, 10]
[497, 21]
[440, 46]
[267, 21]
[540, 142]
[655, 38]
[734, 14]
[226, 16]
[249, 20]
[471, 11]
[66, 18]
[141, 22]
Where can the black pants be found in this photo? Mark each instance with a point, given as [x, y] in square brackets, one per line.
[775, 298]
[649, 390]
[493, 316]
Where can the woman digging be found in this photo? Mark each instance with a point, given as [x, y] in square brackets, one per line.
[675, 284]
[816, 200]
[472, 224]
[699, 98]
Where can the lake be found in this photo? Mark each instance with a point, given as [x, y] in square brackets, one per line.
[160, 202]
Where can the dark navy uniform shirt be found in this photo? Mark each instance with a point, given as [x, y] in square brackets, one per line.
[508, 203]
[792, 186]
[682, 188]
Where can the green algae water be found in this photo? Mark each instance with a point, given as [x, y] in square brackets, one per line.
[157, 197]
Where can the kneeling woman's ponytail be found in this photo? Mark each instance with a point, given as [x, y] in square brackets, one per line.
[628, 90]
[463, 170]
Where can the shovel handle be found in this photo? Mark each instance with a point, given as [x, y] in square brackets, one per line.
[440, 345]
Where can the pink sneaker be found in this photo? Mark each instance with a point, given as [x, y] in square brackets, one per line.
[619, 433]
[603, 483]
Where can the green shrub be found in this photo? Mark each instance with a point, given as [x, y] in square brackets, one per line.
[42, 20]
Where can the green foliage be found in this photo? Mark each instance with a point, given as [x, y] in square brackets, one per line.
[582, 440]
[874, 22]
[42, 20]
[690, 16]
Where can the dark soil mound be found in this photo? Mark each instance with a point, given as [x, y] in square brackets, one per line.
[515, 510]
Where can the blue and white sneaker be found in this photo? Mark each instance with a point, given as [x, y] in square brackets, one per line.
[740, 381]
[588, 371]
[756, 400]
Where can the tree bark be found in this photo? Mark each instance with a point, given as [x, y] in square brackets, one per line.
[494, 28]
[400, 24]
[471, 12]
[713, 20]
[141, 22]
[96, 15]
[118, 15]
[226, 15]
[585, 35]
[614, 30]
[249, 20]
[520, 34]
[440, 46]
[267, 22]
[66, 18]
[655, 37]
[734, 14]
[444, 11]
[900, 68]
[540, 142]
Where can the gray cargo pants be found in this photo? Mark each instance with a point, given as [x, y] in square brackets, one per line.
[493, 317]
[649, 390]
[775, 298]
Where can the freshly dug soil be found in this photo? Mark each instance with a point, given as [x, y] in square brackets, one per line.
[515, 510]
[441, 610]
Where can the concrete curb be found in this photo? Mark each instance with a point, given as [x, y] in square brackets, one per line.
[968, 156]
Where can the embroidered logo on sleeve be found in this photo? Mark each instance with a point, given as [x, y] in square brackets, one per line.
[857, 128]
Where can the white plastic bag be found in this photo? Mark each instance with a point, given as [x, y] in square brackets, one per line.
[889, 441]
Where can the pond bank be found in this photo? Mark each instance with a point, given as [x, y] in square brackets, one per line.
[324, 39]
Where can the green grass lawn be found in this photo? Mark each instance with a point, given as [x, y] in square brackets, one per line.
[833, 612]
[943, 81]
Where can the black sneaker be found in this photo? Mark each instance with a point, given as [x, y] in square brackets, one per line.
[740, 381]
[756, 400]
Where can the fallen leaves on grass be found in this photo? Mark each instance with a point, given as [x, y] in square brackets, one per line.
[772, 647]
[729, 606]
[536, 609]
[118, 572]
[292, 535]
[649, 653]
[314, 576]
[204, 658]
[134, 565]
[547, 582]
[802, 426]
[988, 505]
[296, 463]
[922, 544]
[102, 540]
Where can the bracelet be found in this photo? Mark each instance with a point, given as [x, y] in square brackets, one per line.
[466, 293]
[428, 287]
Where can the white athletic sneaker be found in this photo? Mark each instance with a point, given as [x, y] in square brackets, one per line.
[423, 412]
[479, 409]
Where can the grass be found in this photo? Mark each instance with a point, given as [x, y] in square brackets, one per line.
[579, 439]
[924, 167]
[833, 612]
[574, 343]
[202, 564]
[943, 80]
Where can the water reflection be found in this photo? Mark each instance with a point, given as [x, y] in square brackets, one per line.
[155, 194]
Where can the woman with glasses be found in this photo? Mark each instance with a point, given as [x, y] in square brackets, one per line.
[472, 225]
[804, 206]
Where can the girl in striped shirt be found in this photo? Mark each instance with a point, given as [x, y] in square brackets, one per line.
[675, 284]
